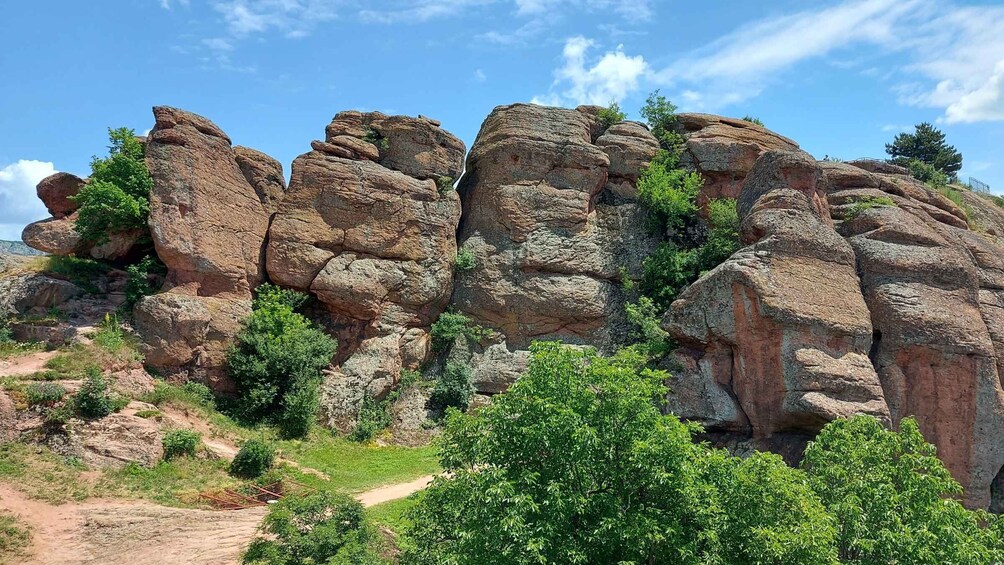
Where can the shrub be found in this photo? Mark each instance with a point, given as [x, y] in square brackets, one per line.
[466, 261]
[253, 460]
[646, 319]
[79, 271]
[155, 414]
[753, 120]
[180, 443]
[376, 138]
[453, 388]
[451, 325]
[93, 400]
[44, 393]
[859, 205]
[322, 527]
[117, 196]
[140, 281]
[444, 184]
[611, 115]
[660, 114]
[276, 363]
[669, 192]
[926, 173]
[373, 418]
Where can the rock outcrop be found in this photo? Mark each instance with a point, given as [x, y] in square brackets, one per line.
[56, 190]
[210, 209]
[368, 227]
[550, 216]
[841, 303]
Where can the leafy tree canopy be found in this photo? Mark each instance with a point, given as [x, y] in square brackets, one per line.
[117, 197]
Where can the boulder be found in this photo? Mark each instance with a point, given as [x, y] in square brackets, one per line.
[264, 174]
[552, 237]
[58, 236]
[118, 440]
[55, 191]
[186, 337]
[32, 292]
[207, 219]
[776, 339]
[366, 228]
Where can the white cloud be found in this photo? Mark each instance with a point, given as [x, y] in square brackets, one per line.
[625, 8]
[610, 79]
[480, 76]
[19, 205]
[166, 4]
[421, 11]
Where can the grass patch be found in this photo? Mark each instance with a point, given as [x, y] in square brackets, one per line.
[193, 400]
[354, 467]
[172, 483]
[391, 515]
[42, 474]
[10, 349]
[73, 362]
[14, 538]
[81, 272]
[859, 205]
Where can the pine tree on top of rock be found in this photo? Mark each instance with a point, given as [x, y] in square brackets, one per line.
[927, 145]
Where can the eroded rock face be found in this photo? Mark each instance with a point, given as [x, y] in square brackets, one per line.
[934, 290]
[207, 220]
[369, 229]
[724, 150]
[777, 337]
[550, 216]
[58, 236]
[210, 210]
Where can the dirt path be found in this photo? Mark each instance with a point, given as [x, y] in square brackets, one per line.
[102, 532]
[393, 492]
[26, 364]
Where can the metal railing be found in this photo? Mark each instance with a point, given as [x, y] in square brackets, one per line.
[978, 185]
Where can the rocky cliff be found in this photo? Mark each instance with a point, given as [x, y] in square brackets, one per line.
[857, 289]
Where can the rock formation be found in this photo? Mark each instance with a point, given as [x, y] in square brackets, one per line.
[549, 213]
[894, 312]
[210, 209]
[368, 227]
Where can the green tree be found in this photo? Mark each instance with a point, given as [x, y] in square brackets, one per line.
[927, 145]
[894, 500]
[611, 115]
[117, 197]
[577, 464]
[276, 363]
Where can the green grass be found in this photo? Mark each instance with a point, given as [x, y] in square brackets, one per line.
[10, 349]
[391, 515]
[74, 360]
[42, 474]
[172, 483]
[14, 538]
[353, 467]
[81, 272]
[859, 205]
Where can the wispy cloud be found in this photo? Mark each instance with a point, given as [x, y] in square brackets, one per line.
[480, 76]
[610, 78]
[167, 4]
[421, 11]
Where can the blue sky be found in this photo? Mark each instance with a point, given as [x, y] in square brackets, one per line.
[839, 77]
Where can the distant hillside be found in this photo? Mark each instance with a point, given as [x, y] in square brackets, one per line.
[17, 248]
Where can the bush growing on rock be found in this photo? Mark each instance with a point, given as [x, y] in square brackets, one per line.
[611, 115]
[466, 261]
[373, 417]
[140, 283]
[117, 197]
[451, 325]
[180, 443]
[253, 460]
[453, 388]
[276, 363]
[323, 527]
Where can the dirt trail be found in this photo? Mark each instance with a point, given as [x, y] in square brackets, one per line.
[26, 364]
[393, 492]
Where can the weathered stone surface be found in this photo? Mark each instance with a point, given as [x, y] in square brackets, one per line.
[550, 241]
[933, 290]
[777, 337]
[879, 166]
[365, 227]
[207, 220]
[264, 174]
[21, 294]
[55, 191]
[54, 235]
[724, 150]
[186, 337]
[117, 440]
[417, 147]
